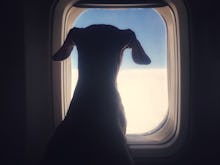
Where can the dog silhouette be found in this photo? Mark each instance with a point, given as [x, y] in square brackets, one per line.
[93, 131]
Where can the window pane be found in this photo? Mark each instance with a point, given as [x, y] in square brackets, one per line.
[143, 88]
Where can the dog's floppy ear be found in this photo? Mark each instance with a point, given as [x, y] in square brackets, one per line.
[65, 50]
[138, 54]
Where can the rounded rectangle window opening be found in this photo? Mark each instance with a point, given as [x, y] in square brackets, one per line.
[143, 88]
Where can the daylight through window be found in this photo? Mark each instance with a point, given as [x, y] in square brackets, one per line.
[143, 88]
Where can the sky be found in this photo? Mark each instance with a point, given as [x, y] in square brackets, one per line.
[143, 88]
[148, 25]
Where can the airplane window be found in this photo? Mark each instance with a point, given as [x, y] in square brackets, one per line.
[143, 88]
[155, 96]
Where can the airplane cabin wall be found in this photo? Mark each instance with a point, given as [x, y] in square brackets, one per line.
[27, 105]
[12, 107]
[205, 80]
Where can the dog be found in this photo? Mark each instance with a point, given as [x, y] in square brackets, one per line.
[93, 131]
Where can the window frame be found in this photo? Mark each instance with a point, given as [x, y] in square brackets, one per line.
[159, 143]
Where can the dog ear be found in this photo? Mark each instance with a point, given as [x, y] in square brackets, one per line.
[138, 54]
[67, 47]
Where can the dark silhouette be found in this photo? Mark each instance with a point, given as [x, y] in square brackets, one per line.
[93, 131]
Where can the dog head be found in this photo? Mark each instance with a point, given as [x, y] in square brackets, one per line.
[127, 36]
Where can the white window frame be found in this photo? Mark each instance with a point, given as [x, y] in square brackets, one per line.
[171, 136]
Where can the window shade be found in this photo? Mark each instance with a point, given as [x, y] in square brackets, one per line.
[120, 3]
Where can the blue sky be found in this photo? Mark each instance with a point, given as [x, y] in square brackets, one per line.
[147, 24]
